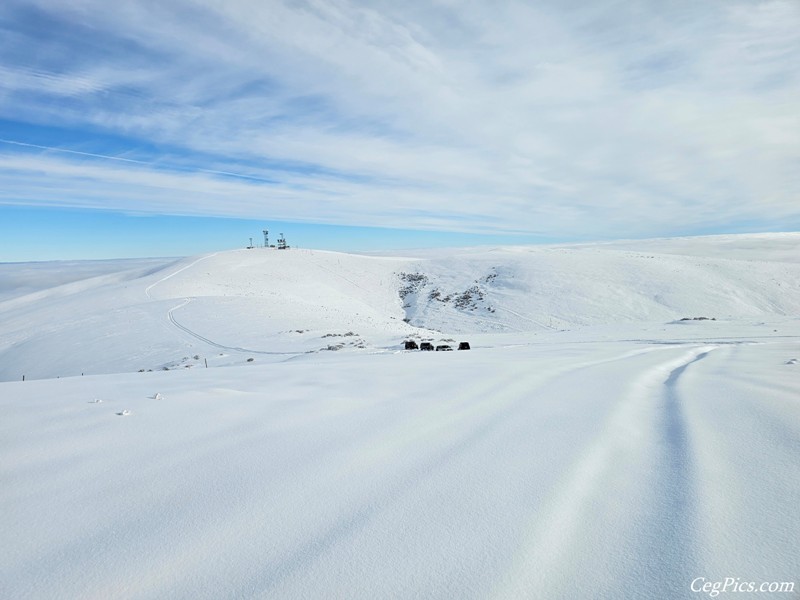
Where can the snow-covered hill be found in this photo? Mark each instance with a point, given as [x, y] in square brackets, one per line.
[592, 444]
[529, 289]
[271, 305]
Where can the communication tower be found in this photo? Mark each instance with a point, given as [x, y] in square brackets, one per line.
[266, 239]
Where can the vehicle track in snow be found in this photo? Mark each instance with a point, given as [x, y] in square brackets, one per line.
[642, 456]
[523, 317]
[478, 419]
[194, 334]
[675, 524]
[150, 287]
[171, 315]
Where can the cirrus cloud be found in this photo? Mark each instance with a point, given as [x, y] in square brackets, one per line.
[567, 119]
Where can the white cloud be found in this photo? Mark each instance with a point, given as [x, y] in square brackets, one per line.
[614, 119]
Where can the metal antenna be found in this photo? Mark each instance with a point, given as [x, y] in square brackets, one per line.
[266, 239]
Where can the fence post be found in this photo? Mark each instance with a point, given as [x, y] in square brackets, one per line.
[205, 359]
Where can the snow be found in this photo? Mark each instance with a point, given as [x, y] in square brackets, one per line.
[271, 305]
[617, 452]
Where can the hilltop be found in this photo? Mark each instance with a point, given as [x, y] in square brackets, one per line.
[229, 306]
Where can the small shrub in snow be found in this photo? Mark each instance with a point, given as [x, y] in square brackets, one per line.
[468, 298]
[348, 334]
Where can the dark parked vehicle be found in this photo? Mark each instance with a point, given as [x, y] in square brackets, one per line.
[463, 346]
[411, 345]
[426, 346]
[444, 348]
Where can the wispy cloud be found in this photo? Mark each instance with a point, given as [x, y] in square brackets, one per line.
[601, 119]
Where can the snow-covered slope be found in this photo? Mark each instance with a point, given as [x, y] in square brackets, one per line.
[591, 445]
[528, 289]
[558, 471]
[225, 307]
[231, 306]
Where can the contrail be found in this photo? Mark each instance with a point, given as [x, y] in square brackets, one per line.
[27, 145]
[138, 162]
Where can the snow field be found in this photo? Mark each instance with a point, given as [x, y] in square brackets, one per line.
[592, 444]
[593, 469]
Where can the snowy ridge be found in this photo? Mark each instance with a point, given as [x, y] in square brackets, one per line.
[538, 288]
[287, 303]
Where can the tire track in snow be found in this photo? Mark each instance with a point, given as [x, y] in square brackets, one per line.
[174, 321]
[194, 334]
[477, 417]
[556, 538]
[748, 431]
[336, 273]
[529, 319]
[150, 287]
[675, 527]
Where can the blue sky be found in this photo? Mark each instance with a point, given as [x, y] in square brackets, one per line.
[140, 128]
[34, 234]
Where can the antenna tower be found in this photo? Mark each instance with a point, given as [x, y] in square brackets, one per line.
[266, 239]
